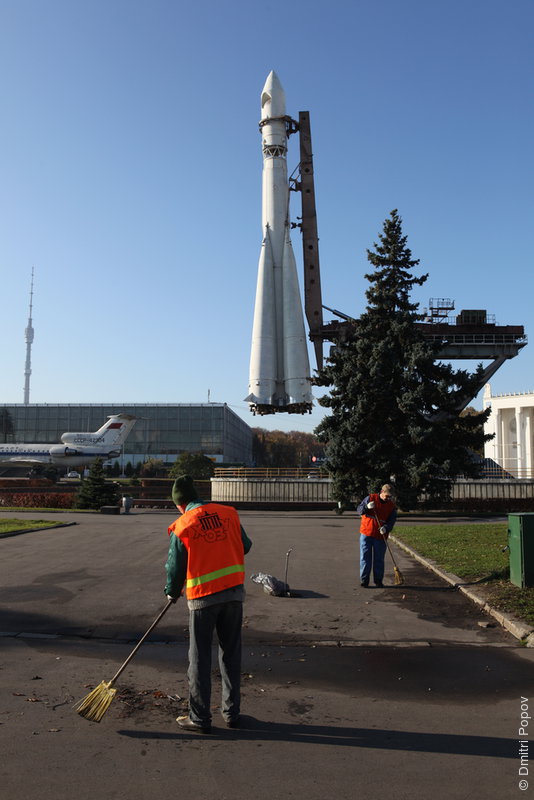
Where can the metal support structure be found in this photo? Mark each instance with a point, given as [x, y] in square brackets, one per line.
[482, 342]
[310, 239]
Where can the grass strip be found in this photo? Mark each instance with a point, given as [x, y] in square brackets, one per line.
[13, 524]
[474, 553]
[41, 510]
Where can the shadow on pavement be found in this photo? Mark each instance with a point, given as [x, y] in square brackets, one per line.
[422, 742]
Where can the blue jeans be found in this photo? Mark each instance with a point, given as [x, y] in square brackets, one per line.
[226, 619]
[372, 552]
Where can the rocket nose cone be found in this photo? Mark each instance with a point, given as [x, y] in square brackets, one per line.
[273, 99]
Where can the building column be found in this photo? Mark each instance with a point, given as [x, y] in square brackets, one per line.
[519, 450]
[528, 443]
[496, 443]
[506, 447]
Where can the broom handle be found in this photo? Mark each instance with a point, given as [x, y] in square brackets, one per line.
[384, 538]
[140, 642]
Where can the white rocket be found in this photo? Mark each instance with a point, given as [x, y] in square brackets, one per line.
[279, 365]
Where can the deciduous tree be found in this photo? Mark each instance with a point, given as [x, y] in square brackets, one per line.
[284, 448]
[197, 465]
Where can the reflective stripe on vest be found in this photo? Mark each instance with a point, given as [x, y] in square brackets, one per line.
[211, 576]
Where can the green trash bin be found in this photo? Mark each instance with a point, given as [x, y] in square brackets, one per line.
[521, 549]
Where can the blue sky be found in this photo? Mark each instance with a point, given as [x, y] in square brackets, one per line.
[130, 177]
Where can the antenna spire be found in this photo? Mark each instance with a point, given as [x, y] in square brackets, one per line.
[29, 341]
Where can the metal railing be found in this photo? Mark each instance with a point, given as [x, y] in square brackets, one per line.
[478, 338]
[262, 473]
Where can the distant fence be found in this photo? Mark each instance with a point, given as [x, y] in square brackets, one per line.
[465, 495]
[500, 496]
[493, 490]
[261, 473]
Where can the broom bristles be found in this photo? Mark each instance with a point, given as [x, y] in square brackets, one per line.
[97, 702]
[399, 578]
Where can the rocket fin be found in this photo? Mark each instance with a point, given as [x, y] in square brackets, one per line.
[296, 372]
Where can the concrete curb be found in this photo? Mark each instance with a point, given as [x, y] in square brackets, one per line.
[33, 530]
[513, 625]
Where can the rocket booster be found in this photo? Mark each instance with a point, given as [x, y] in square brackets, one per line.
[279, 366]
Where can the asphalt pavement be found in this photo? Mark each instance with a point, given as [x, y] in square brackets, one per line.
[407, 691]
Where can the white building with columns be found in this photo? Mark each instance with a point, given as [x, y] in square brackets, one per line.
[512, 422]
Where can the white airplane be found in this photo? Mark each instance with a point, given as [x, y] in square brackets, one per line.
[77, 448]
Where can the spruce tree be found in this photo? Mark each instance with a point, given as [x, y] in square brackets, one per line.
[95, 491]
[394, 405]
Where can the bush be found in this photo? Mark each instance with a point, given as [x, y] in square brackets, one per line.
[153, 468]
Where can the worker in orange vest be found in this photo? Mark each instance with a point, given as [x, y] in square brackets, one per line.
[206, 554]
[379, 515]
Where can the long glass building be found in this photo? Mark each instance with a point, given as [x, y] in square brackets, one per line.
[162, 430]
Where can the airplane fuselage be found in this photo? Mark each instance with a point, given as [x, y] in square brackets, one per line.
[56, 454]
[75, 449]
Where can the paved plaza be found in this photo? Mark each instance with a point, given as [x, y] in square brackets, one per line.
[406, 692]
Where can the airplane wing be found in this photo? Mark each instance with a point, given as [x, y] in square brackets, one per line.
[22, 459]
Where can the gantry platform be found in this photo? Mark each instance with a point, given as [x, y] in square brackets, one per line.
[461, 340]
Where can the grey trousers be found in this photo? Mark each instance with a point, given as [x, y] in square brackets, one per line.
[226, 619]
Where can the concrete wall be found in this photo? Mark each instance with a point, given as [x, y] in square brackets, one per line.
[271, 490]
[318, 491]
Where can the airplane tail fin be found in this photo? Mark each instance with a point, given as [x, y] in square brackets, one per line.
[113, 433]
[116, 429]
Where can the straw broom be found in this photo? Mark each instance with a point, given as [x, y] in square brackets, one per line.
[97, 702]
[398, 576]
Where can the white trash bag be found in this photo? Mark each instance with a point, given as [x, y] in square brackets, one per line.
[271, 585]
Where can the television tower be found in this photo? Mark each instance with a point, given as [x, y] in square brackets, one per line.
[29, 341]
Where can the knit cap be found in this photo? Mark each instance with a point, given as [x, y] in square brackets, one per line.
[183, 490]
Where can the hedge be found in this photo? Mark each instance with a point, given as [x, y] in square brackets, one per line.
[37, 500]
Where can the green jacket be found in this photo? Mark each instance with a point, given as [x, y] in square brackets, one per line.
[176, 566]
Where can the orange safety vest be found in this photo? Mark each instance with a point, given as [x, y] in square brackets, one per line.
[369, 525]
[211, 534]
